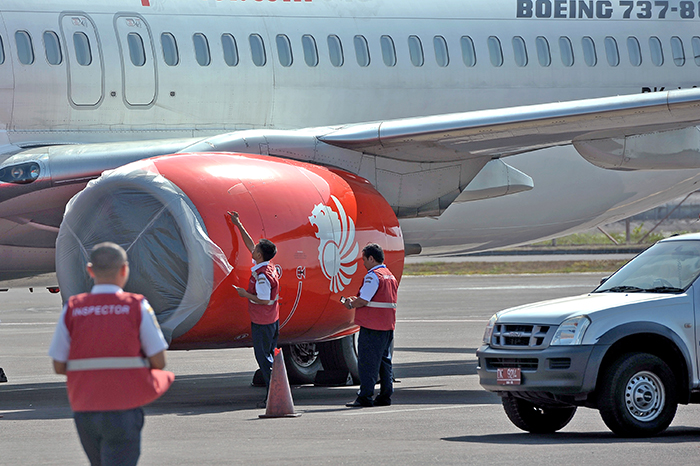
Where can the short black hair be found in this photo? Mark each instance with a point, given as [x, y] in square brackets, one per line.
[107, 257]
[374, 250]
[267, 249]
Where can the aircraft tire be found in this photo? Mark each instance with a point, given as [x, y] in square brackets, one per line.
[341, 355]
[302, 362]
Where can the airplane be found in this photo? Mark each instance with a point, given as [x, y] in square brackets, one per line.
[446, 124]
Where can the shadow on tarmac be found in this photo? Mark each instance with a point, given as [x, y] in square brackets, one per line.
[671, 435]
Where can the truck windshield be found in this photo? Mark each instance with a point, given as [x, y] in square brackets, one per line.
[666, 267]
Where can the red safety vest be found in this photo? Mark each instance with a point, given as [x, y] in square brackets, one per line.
[106, 368]
[380, 313]
[263, 314]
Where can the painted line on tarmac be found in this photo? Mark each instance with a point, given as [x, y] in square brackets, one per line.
[440, 321]
[519, 287]
[358, 412]
[17, 324]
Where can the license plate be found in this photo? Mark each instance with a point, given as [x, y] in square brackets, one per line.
[508, 376]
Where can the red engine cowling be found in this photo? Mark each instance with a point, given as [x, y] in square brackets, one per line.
[185, 255]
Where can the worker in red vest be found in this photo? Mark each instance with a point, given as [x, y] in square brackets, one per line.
[375, 313]
[110, 346]
[263, 307]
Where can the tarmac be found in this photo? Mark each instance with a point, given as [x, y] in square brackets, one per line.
[439, 415]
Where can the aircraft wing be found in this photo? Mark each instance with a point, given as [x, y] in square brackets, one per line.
[508, 131]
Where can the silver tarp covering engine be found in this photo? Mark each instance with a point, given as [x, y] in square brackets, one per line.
[170, 255]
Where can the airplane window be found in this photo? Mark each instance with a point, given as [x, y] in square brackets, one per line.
[2, 52]
[388, 51]
[495, 51]
[657, 51]
[136, 50]
[52, 48]
[257, 49]
[361, 50]
[284, 50]
[415, 49]
[201, 49]
[170, 53]
[611, 51]
[589, 54]
[468, 52]
[25, 50]
[228, 44]
[566, 50]
[335, 50]
[520, 51]
[308, 43]
[635, 52]
[677, 51]
[442, 55]
[543, 54]
[696, 49]
[81, 44]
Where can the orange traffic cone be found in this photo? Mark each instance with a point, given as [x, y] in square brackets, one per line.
[279, 397]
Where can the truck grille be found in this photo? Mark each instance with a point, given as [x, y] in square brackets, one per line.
[519, 336]
[526, 364]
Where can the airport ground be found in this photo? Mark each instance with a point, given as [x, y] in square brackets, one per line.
[440, 413]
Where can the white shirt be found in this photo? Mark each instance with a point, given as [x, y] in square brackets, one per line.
[263, 288]
[152, 340]
[371, 284]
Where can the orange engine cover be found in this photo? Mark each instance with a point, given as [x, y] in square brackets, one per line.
[170, 214]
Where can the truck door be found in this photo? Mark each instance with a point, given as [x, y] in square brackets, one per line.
[85, 62]
[137, 59]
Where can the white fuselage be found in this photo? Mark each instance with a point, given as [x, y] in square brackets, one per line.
[200, 93]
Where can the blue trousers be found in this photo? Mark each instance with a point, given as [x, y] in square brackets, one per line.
[264, 344]
[110, 437]
[374, 362]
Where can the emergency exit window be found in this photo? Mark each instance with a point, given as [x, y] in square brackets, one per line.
[136, 51]
[25, 49]
[81, 44]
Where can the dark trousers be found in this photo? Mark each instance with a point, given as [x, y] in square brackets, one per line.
[264, 344]
[374, 361]
[110, 437]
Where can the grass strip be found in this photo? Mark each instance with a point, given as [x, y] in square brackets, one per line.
[492, 268]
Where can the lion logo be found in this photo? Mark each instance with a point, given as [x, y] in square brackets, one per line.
[338, 249]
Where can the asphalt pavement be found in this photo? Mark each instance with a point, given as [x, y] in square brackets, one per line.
[440, 413]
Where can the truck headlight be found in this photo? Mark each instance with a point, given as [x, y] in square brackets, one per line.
[489, 329]
[571, 331]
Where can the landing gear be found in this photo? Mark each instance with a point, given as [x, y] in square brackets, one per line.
[302, 362]
[340, 356]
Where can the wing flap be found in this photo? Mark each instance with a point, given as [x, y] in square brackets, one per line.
[509, 131]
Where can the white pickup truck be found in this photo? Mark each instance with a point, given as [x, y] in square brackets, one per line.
[628, 349]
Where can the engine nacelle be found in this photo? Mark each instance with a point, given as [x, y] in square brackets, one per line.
[185, 255]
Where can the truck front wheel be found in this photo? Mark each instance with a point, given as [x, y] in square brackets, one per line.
[637, 395]
[536, 419]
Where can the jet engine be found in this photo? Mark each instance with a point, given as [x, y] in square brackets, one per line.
[185, 255]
